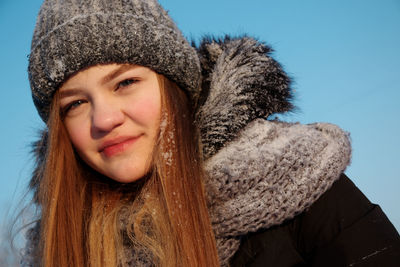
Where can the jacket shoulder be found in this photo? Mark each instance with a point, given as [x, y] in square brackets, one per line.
[342, 228]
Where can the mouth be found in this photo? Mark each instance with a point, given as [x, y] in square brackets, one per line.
[118, 145]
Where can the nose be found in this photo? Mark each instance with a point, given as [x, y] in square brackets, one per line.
[106, 115]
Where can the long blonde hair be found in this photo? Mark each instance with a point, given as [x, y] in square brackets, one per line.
[89, 220]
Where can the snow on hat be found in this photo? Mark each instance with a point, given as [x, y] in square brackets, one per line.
[71, 35]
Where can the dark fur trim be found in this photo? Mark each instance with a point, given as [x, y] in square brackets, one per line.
[241, 82]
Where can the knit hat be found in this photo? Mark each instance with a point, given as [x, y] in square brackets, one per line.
[71, 35]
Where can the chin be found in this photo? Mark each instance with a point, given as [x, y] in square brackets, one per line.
[126, 179]
[127, 176]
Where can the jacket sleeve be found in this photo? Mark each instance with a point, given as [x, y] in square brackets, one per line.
[342, 228]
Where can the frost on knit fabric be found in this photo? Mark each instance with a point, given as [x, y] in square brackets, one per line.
[72, 35]
[271, 172]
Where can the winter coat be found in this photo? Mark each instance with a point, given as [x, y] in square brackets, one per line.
[263, 174]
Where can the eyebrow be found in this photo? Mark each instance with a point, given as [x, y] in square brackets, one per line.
[70, 92]
[115, 73]
[109, 77]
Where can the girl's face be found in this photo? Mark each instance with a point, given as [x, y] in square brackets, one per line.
[112, 115]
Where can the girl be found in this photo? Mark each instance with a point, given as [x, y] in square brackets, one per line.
[159, 153]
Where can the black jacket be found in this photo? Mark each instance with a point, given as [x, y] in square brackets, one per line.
[342, 228]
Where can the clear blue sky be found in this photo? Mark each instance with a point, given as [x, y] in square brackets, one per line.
[343, 55]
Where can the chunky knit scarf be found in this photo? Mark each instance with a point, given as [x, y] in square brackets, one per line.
[271, 173]
[260, 172]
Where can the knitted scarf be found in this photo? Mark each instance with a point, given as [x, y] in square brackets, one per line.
[271, 173]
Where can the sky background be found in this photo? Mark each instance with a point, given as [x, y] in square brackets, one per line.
[343, 56]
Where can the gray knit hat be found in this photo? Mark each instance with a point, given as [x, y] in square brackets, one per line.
[71, 35]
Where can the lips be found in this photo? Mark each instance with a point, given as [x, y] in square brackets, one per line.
[117, 145]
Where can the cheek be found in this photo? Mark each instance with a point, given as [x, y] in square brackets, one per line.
[78, 134]
[147, 111]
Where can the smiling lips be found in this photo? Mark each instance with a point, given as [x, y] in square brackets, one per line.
[117, 145]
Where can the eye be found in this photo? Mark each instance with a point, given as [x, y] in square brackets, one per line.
[126, 83]
[71, 106]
